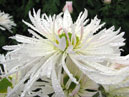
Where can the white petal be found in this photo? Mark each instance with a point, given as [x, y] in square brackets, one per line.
[56, 85]
[24, 39]
[48, 65]
[30, 83]
[67, 20]
[34, 34]
[2, 58]
[10, 93]
[108, 79]
[62, 43]
[67, 71]
[101, 74]
[81, 66]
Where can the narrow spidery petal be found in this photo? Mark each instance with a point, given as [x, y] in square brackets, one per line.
[67, 20]
[62, 43]
[34, 34]
[67, 71]
[56, 85]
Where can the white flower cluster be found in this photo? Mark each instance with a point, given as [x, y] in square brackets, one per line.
[65, 58]
[5, 21]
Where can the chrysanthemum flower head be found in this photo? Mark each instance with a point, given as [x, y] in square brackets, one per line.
[5, 21]
[54, 39]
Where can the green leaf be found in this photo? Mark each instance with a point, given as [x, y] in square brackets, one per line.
[4, 84]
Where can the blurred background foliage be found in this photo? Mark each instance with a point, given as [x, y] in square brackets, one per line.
[116, 13]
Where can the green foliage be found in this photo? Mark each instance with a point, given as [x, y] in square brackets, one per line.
[51, 6]
[4, 84]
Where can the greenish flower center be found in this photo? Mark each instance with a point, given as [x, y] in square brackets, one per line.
[69, 38]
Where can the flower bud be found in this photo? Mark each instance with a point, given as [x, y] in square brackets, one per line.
[107, 1]
[68, 6]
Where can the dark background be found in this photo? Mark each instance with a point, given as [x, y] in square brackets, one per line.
[116, 13]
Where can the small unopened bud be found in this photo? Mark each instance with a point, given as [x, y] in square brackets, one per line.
[68, 6]
[107, 1]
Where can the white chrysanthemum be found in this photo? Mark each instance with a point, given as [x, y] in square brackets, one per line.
[92, 53]
[5, 21]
